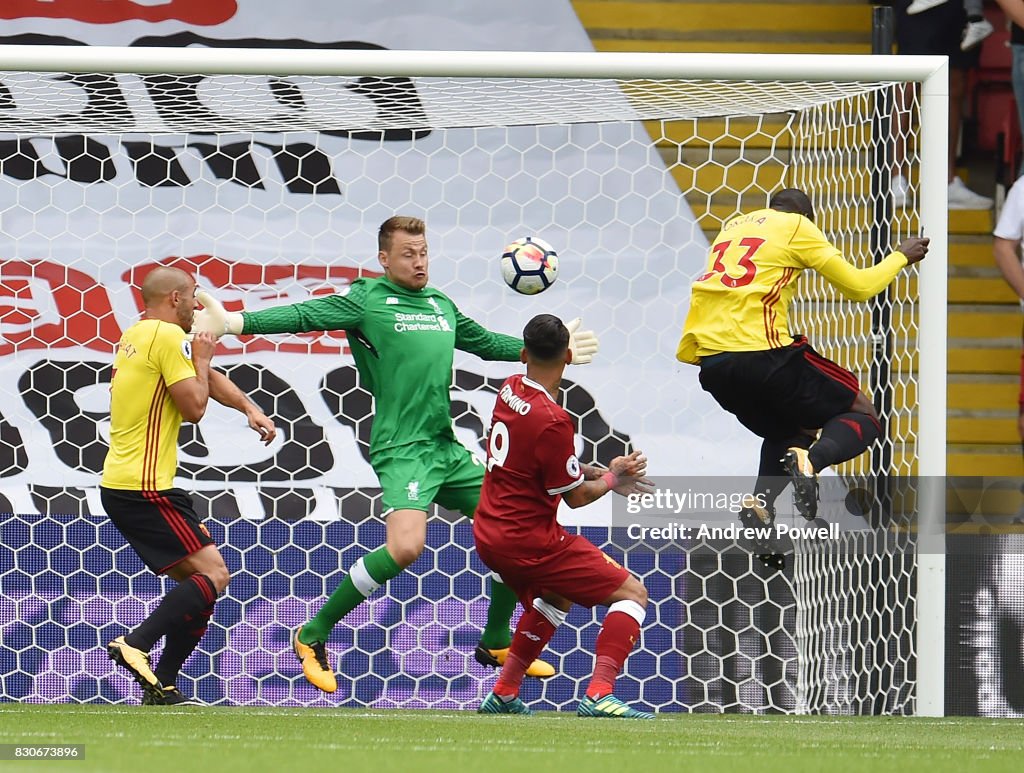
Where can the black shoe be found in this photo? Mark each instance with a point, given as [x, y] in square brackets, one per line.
[775, 561]
[760, 518]
[168, 695]
[805, 482]
[495, 658]
[485, 657]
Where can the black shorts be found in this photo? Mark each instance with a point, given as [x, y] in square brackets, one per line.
[161, 526]
[935, 31]
[779, 392]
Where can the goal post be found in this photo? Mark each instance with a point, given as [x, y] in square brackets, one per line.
[266, 173]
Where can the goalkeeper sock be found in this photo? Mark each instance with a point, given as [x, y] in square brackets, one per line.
[496, 635]
[183, 603]
[619, 632]
[843, 437]
[366, 575]
[532, 635]
[179, 645]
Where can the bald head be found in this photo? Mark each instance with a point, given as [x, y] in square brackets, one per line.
[169, 294]
[161, 282]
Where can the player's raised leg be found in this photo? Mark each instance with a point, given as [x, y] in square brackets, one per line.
[406, 535]
[843, 436]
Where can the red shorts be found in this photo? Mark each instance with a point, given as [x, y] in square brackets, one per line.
[576, 570]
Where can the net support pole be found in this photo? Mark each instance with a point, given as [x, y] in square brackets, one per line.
[880, 243]
[931, 564]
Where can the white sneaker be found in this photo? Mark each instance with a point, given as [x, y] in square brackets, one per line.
[974, 33]
[900, 190]
[959, 196]
[923, 5]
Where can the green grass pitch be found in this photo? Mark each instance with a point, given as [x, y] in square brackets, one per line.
[250, 740]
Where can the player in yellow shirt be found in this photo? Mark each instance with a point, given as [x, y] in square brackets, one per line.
[161, 379]
[779, 388]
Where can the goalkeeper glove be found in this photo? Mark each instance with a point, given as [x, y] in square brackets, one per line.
[582, 343]
[213, 318]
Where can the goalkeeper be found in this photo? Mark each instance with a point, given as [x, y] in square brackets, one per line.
[403, 335]
[777, 386]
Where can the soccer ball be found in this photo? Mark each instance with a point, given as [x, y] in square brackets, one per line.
[529, 265]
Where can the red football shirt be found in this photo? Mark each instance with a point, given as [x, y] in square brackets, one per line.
[531, 462]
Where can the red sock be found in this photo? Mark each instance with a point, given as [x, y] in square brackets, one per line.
[532, 635]
[618, 634]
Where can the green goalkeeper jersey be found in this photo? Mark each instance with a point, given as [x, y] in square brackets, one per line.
[403, 343]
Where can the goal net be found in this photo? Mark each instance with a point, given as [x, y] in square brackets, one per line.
[266, 174]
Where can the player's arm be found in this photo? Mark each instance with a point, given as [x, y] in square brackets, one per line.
[624, 475]
[472, 337]
[813, 250]
[189, 391]
[226, 392]
[341, 311]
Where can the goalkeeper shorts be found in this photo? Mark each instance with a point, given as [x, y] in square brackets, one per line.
[416, 475]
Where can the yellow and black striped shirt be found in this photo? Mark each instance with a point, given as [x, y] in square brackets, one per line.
[741, 302]
[144, 420]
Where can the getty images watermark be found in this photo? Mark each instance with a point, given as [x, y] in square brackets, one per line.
[701, 512]
[710, 512]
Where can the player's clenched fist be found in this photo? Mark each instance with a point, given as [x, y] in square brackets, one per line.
[203, 345]
[915, 248]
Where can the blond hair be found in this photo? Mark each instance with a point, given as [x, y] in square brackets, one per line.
[410, 225]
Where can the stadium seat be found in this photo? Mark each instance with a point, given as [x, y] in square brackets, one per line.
[993, 111]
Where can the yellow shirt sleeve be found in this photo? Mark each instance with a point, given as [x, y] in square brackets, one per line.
[172, 354]
[813, 250]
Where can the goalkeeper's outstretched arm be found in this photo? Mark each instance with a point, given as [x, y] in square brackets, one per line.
[472, 337]
[342, 311]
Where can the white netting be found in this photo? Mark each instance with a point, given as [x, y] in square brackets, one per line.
[270, 189]
[103, 103]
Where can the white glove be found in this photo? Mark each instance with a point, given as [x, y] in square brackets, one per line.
[582, 343]
[213, 319]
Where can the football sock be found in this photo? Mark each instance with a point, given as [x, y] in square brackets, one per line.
[185, 602]
[496, 633]
[179, 645]
[619, 632]
[366, 575]
[843, 437]
[771, 475]
[532, 635]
